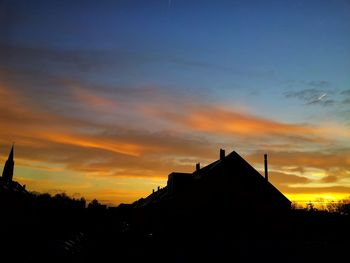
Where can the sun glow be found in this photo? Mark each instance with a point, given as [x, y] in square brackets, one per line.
[318, 200]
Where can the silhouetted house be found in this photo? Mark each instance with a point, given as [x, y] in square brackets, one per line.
[225, 191]
[177, 182]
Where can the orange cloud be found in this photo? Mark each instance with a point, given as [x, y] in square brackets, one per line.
[92, 99]
[24, 122]
[316, 159]
[90, 142]
[228, 122]
[221, 121]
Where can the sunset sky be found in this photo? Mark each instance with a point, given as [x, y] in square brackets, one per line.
[105, 98]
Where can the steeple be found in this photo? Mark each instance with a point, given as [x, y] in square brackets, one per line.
[7, 173]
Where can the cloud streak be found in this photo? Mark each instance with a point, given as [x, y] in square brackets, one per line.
[311, 97]
[219, 120]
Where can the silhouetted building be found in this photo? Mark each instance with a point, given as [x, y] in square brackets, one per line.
[225, 191]
[6, 181]
[7, 174]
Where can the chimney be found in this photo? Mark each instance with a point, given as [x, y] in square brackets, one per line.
[152, 191]
[198, 166]
[158, 188]
[222, 154]
[266, 171]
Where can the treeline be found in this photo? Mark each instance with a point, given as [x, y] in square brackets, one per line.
[341, 207]
[49, 228]
[14, 200]
[61, 201]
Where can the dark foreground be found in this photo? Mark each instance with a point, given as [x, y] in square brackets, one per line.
[111, 235]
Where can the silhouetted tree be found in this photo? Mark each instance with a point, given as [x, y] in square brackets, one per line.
[93, 204]
[310, 207]
[344, 207]
[96, 205]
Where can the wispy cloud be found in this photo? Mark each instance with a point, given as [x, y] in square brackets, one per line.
[345, 93]
[238, 124]
[317, 83]
[324, 160]
[92, 99]
[279, 178]
[70, 62]
[60, 139]
[319, 93]
[311, 96]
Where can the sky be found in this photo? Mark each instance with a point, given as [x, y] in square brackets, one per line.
[104, 99]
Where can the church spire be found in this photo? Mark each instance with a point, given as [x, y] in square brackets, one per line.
[7, 173]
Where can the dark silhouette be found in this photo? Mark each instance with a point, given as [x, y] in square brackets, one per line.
[225, 200]
[7, 173]
[225, 211]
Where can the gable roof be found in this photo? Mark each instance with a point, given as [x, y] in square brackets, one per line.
[232, 166]
[236, 162]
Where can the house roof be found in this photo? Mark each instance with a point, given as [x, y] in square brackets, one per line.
[232, 165]
[236, 162]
